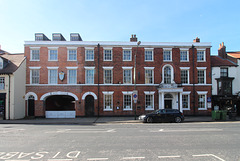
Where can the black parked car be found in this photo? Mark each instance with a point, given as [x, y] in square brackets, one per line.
[163, 115]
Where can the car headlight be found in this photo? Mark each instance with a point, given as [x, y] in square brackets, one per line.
[142, 117]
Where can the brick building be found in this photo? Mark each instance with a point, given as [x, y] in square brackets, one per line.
[98, 78]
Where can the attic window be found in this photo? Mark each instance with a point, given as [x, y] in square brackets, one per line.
[1, 63]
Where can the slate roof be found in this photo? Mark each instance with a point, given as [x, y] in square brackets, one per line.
[217, 61]
[14, 61]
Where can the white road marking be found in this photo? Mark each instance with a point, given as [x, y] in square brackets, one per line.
[132, 158]
[176, 156]
[82, 131]
[3, 130]
[59, 159]
[208, 155]
[188, 130]
[18, 160]
[97, 159]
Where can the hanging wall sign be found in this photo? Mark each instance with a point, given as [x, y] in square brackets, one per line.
[61, 75]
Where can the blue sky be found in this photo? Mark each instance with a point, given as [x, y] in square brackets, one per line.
[212, 21]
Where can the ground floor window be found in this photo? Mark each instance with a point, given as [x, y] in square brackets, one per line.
[108, 101]
[185, 102]
[127, 102]
[202, 100]
[149, 102]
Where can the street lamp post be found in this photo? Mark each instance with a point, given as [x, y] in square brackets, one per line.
[135, 62]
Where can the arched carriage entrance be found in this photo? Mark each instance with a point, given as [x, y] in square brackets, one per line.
[59, 104]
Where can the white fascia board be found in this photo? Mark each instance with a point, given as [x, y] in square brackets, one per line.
[120, 43]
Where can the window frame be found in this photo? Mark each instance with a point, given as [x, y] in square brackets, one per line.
[187, 55]
[224, 73]
[152, 76]
[204, 72]
[49, 54]
[49, 75]
[2, 83]
[127, 69]
[68, 57]
[128, 93]
[170, 54]
[87, 69]
[188, 77]
[199, 56]
[127, 49]
[104, 54]
[149, 93]
[186, 93]
[104, 74]
[69, 81]
[109, 94]
[146, 54]
[31, 54]
[31, 74]
[86, 54]
[202, 93]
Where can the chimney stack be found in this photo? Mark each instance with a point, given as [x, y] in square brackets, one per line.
[133, 38]
[222, 51]
[196, 40]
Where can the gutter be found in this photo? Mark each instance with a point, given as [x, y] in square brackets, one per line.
[9, 85]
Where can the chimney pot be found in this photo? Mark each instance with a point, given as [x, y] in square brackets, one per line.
[196, 40]
[133, 38]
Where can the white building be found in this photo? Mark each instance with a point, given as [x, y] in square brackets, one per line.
[12, 85]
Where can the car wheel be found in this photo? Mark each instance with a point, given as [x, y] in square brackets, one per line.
[178, 119]
[149, 120]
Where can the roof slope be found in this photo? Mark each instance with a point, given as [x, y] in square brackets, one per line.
[234, 54]
[217, 61]
[15, 60]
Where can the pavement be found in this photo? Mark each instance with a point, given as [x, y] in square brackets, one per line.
[99, 120]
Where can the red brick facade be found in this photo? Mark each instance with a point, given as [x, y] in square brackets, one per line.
[43, 90]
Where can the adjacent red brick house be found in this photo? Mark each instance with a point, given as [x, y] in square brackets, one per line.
[98, 78]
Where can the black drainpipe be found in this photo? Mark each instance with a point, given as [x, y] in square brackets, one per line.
[98, 77]
[9, 85]
[194, 92]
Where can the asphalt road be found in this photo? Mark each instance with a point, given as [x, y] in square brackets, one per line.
[166, 142]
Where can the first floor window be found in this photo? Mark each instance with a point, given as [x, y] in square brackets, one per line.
[35, 75]
[201, 76]
[2, 83]
[127, 76]
[223, 72]
[184, 76]
[107, 76]
[90, 76]
[52, 77]
[201, 101]
[167, 75]
[108, 102]
[72, 76]
[149, 102]
[185, 101]
[148, 76]
[127, 102]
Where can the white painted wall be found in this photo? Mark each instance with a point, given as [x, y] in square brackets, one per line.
[232, 72]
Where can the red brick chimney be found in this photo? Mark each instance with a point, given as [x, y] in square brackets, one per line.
[222, 51]
[133, 38]
[196, 40]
